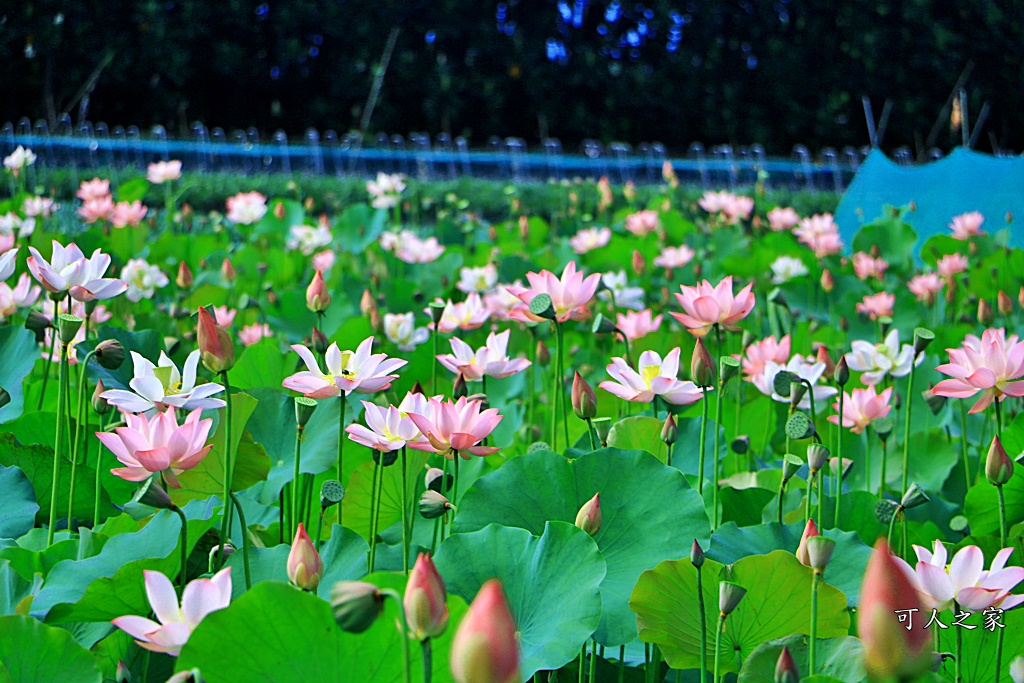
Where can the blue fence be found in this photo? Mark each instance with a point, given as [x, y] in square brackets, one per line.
[88, 146]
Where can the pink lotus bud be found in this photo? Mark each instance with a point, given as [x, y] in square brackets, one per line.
[305, 568]
[985, 314]
[227, 271]
[584, 401]
[367, 303]
[639, 262]
[825, 357]
[702, 366]
[543, 354]
[589, 516]
[810, 531]
[785, 668]
[215, 345]
[184, 279]
[317, 296]
[1004, 303]
[998, 466]
[828, 282]
[424, 602]
[318, 341]
[484, 649]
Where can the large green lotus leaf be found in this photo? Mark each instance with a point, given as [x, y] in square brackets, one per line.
[290, 212]
[845, 571]
[359, 226]
[251, 462]
[13, 588]
[19, 350]
[265, 564]
[18, 506]
[261, 365]
[551, 582]
[743, 506]
[356, 504]
[857, 514]
[649, 515]
[777, 604]
[841, 658]
[298, 641]
[32, 652]
[979, 645]
[639, 432]
[28, 559]
[982, 504]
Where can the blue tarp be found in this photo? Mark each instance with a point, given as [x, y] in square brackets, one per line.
[964, 181]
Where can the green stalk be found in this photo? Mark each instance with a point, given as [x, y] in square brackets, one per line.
[718, 644]
[782, 492]
[79, 419]
[622, 663]
[839, 461]
[906, 431]
[455, 479]
[376, 487]
[49, 361]
[593, 439]
[892, 524]
[294, 522]
[341, 442]
[885, 453]
[963, 446]
[405, 515]
[245, 540]
[562, 398]
[810, 489]
[183, 574]
[428, 659]
[815, 582]
[592, 676]
[715, 458]
[703, 628]
[957, 677]
[406, 667]
[225, 524]
[583, 660]
[96, 491]
[867, 462]
[703, 439]
[433, 366]
[62, 388]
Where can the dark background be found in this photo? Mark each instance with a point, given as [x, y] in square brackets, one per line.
[776, 72]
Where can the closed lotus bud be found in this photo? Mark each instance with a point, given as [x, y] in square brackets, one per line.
[922, 338]
[842, 373]
[589, 516]
[810, 531]
[122, 674]
[426, 611]
[543, 355]
[152, 494]
[817, 456]
[367, 303]
[1004, 303]
[67, 327]
[437, 480]
[702, 367]
[584, 401]
[913, 497]
[215, 345]
[279, 211]
[785, 668]
[826, 358]
[433, 505]
[603, 427]
[891, 649]
[696, 554]
[935, 402]
[1020, 297]
[317, 296]
[5, 397]
[729, 596]
[669, 430]
[791, 464]
[485, 649]
[998, 466]
[356, 605]
[459, 388]
[639, 263]
[524, 228]
[227, 271]
[305, 568]
[110, 354]
[184, 279]
[819, 552]
[985, 314]
[828, 282]
[319, 341]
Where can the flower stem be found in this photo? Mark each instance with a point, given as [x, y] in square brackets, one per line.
[406, 668]
[80, 417]
[718, 644]
[807, 502]
[715, 453]
[592, 676]
[963, 446]
[957, 677]
[294, 521]
[815, 582]
[839, 461]
[183, 574]
[622, 663]
[341, 442]
[593, 439]
[562, 398]
[583, 660]
[376, 487]
[885, 453]
[49, 361]
[782, 492]
[225, 524]
[1002, 516]
[96, 489]
[245, 540]
[62, 387]
[433, 367]
[428, 659]
[892, 523]
[703, 627]
[405, 515]
[703, 440]
[906, 431]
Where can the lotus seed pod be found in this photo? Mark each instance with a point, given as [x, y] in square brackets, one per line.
[819, 552]
[542, 306]
[304, 408]
[913, 497]
[729, 596]
[817, 456]
[791, 464]
[67, 327]
[603, 427]
[356, 605]
[922, 338]
[331, 493]
[433, 505]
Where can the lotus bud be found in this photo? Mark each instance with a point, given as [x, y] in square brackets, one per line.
[1020, 297]
[842, 373]
[110, 354]
[728, 367]
[589, 516]
[524, 228]
[602, 325]
[459, 388]
[922, 338]
[891, 649]
[1017, 670]
[122, 674]
[913, 497]
[227, 271]
[437, 480]
[603, 427]
[367, 303]
[669, 430]
[935, 402]
[819, 552]
[639, 263]
[810, 531]
[985, 314]
[729, 596]
[791, 464]
[785, 668]
[317, 296]
[702, 366]
[1004, 303]
[425, 610]
[67, 327]
[484, 648]
[5, 397]
[826, 358]
[696, 554]
[215, 345]
[304, 408]
[828, 282]
[433, 505]
[584, 401]
[152, 494]
[184, 279]
[319, 341]
[356, 605]
[331, 493]
[817, 456]
[305, 568]
[37, 323]
[543, 355]
[998, 466]
[542, 306]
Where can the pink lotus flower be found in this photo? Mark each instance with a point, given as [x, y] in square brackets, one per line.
[568, 294]
[38, 206]
[485, 648]
[347, 371]
[8, 262]
[656, 377]
[93, 189]
[158, 445]
[23, 295]
[500, 303]
[866, 266]
[163, 171]
[759, 353]
[97, 209]
[705, 306]
[925, 287]
[125, 214]
[491, 360]
[410, 248]
[224, 315]
[820, 233]
[637, 324]
[388, 429]
[642, 223]
[456, 428]
[726, 205]
[590, 239]
[323, 260]
[252, 334]
[199, 598]
[466, 315]
[989, 365]
[951, 264]
[862, 408]
[967, 225]
[780, 218]
[877, 306]
[964, 580]
[69, 271]
[674, 257]
[246, 208]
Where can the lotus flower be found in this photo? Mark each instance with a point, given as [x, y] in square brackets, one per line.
[989, 365]
[759, 353]
[635, 325]
[101, 208]
[862, 408]
[786, 268]
[143, 279]
[656, 377]
[491, 360]
[925, 287]
[820, 233]
[347, 371]
[782, 218]
[89, 190]
[385, 190]
[674, 257]
[38, 206]
[199, 598]
[388, 429]
[951, 264]
[705, 306]
[127, 213]
[69, 271]
[878, 360]
[246, 208]
[466, 315]
[589, 239]
[804, 368]
[400, 329]
[19, 159]
[485, 649]
[158, 445]
[964, 580]
[24, 294]
[967, 225]
[8, 262]
[456, 428]
[617, 290]
[642, 223]
[252, 334]
[866, 266]
[156, 387]
[410, 248]
[163, 171]
[480, 280]
[308, 238]
[569, 294]
[877, 306]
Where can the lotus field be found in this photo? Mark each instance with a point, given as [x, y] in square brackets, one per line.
[675, 441]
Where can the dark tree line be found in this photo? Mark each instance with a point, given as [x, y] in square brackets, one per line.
[778, 72]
